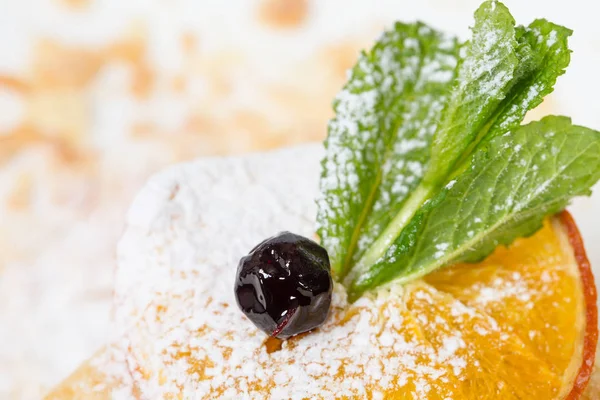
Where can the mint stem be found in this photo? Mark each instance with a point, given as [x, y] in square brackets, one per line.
[392, 231]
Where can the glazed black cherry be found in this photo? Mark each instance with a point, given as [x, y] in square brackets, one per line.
[284, 285]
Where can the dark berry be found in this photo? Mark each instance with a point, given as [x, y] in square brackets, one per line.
[284, 285]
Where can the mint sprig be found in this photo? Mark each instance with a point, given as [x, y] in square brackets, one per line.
[412, 126]
[513, 182]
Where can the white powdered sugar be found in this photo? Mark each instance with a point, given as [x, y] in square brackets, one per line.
[511, 286]
[488, 59]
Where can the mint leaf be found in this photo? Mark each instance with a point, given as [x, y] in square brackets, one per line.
[513, 183]
[378, 142]
[546, 53]
[549, 43]
[492, 65]
[485, 103]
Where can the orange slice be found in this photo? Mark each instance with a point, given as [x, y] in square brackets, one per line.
[541, 293]
[520, 325]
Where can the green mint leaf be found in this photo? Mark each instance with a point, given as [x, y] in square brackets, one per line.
[546, 55]
[513, 183]
[507, 71]
[378, 142]
[494, 61]
[485, 103]
[551, 53]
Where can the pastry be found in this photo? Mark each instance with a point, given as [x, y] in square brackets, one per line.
[226, 198]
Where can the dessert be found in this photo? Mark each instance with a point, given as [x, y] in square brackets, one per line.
[456, 275]
[532, 301]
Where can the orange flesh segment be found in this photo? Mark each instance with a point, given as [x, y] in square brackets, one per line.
[493, 363]
[519, 319]
[533, 290]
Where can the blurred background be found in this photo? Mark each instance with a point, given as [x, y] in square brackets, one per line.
[96, 95]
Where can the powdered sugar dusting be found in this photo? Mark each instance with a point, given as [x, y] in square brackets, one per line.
[506, 287]
[177, 264]
[486, 67]
[186, 338]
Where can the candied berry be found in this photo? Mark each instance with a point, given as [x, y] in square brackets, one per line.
[284, 285]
